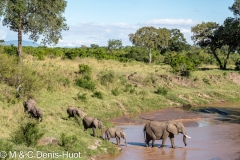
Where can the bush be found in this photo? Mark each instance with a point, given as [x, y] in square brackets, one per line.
[67, 142]
[98, 95]
[84, 69]
[28, 134]
[182, 65]
[85, 83]
[161, 90]
[82, 97]
[106, 77]
[115, 91]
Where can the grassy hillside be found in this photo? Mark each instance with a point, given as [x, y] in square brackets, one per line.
[117, 89]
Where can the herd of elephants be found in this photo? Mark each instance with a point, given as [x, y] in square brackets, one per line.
[153, 130]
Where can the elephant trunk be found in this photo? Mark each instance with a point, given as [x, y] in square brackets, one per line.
[184, 136]
[125, 141]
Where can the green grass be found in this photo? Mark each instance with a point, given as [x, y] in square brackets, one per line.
[131, 88]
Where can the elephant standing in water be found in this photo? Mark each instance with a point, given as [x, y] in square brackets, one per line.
[91, 122]
[115, 133]
[32, 109]
[72, 111]
[161, 130]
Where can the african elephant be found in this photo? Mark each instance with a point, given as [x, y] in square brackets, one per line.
[161, 130]
[91, 122]
[29, 104]
[115, 133]
[36, 112]
[32, 109]
[72, 111]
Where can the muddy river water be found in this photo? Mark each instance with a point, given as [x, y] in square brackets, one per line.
[214, 132]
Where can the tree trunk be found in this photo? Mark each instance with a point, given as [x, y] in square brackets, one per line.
[19, 51]
[226, 60]
[217, 58]
[150, 55]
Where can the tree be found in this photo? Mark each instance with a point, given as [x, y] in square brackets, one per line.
[38, 18]
[216, 36]
[235, 8]
[114, 44]
[177, 42]
[94, 46]
[150, 38]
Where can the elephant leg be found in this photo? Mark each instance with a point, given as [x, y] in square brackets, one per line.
[164, 138]
[118, 140]
[147, 141]
[153, 142]
[94, 131]
[171, 136]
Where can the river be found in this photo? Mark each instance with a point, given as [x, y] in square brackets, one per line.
[214, 132]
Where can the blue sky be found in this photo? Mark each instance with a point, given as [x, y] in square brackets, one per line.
[97, 21]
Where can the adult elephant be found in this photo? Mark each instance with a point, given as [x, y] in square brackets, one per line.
[115, 133]
[161, 130]
[91, 122]
[36, 112]
[72, 111]
[29, 104]
[31, 108]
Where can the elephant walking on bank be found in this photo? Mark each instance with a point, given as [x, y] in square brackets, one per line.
[91, 122]
[31, 108]
[161, 130]
[72, 111]
[115, 133]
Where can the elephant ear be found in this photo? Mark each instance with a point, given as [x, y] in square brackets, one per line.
[172, 128]
[95, 122]
[118, 133]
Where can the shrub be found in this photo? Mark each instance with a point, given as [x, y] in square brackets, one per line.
[82, 97]
[67, 142]
[106, 77]
[98, 95]
[28, 134]
[84, 69]
[206, 80]
[85, 83]
[182, 64]
[161, 90]
[115, 91]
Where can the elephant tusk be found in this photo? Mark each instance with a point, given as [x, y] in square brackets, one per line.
[187, 136]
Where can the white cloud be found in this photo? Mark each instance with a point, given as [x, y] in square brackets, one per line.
[169, 21]
[87, 33]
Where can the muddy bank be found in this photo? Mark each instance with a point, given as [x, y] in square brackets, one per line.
[212, 136]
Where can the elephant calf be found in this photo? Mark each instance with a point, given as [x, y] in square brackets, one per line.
[32, 109]
[115, 133]
[91, 122]
[72, 111]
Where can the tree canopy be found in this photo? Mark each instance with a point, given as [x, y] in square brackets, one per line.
[37, 18]
[150, 38]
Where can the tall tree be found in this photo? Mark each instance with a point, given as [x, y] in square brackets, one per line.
[216, 36]
[37, 18]
[150, 38]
